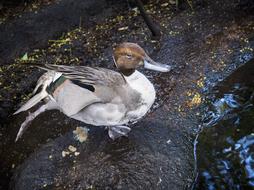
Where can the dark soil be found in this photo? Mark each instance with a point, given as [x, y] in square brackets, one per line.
[203, 47]
[33, 29]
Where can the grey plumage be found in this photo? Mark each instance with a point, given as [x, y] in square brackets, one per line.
[88, 75]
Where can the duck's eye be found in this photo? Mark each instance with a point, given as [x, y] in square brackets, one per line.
[129, 56]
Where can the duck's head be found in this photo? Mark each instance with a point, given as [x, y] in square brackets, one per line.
[129, 56]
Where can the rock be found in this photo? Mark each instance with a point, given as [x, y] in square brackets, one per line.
[143, 160]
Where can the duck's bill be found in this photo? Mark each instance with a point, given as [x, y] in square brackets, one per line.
[152, 65]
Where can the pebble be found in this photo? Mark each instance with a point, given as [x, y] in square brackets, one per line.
[72, 148]
[65, 153]
[76, 153]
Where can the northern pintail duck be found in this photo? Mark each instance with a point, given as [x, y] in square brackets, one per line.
[98, 96]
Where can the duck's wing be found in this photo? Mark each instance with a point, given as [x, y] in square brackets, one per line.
[88, 75]
[86, 86]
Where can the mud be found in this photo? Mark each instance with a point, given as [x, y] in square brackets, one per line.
[203, 46]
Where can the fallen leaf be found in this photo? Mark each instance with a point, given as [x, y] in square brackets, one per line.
[166, 4]
[80, 134]
[72, 148]
[25, 57]
[123, 28]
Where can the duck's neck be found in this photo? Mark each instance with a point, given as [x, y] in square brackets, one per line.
[134, 76]
[127, 72]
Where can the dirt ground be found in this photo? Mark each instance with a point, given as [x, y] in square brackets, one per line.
[203, 45]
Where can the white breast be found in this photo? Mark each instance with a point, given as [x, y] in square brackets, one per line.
[141, 84]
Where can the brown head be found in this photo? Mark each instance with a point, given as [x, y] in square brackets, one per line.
[129, 56]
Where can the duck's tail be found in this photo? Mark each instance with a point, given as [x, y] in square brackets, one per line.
[33, 101]
[43, 82]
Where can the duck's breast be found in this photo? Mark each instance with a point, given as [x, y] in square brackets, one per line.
[145, 88]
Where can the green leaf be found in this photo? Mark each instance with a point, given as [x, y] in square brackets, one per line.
[25, 57]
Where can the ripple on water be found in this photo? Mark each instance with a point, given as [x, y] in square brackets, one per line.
[225, 148]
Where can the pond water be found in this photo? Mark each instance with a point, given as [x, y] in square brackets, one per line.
[225, 149]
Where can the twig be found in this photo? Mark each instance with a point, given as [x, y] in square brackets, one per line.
[151, 25]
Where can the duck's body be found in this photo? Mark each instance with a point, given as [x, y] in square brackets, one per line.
[107, 106]
[97, 96]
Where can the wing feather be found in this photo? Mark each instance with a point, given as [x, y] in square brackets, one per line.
[88, 75]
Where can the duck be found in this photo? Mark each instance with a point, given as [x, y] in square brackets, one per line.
[98, 96]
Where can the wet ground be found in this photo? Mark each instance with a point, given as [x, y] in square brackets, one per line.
[204, 46]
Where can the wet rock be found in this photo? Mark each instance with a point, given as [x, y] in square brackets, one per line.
[143, 160]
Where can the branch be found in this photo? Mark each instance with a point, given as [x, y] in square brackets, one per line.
[151, 25]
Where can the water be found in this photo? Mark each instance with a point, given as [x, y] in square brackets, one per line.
[225, 150]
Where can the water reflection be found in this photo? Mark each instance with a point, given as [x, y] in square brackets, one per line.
[221, 107]
[226, 145]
